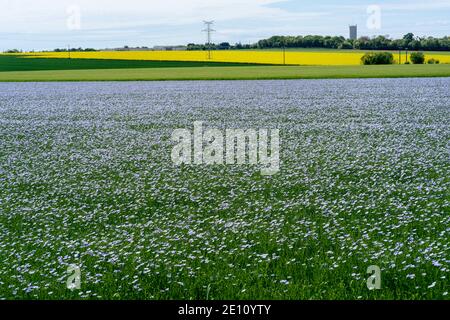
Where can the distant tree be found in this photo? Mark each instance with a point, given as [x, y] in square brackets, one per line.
[346, 45]
[433, 61]
[376, 58]
[363, 43]
[224, 46]
[193, 46]
[417, 58]
[409, 37]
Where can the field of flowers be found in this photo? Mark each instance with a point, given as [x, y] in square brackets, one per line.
[86, 179]
[325, 58]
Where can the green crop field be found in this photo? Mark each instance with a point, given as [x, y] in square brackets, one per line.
[22, 63]
[86, 179]
[231, 73]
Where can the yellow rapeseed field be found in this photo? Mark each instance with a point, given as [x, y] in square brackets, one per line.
[263, 57]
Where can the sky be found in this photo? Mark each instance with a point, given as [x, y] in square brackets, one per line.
[49, 24]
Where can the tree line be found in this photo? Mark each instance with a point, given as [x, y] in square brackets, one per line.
[409, 41]
[74, 50]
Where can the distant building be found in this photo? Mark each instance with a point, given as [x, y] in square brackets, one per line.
[169, 48]
[353, 32]
[156, 48]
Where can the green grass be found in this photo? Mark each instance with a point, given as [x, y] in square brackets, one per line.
[231, 73]
[22, 63]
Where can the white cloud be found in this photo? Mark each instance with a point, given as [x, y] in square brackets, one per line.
[51, 16]
[418, 5]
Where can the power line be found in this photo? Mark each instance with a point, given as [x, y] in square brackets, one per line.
[209, 32]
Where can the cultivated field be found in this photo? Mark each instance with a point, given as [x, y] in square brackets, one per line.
[86, 179]
[225, 65]
[230, 73]
[13, 63]
[292, 57]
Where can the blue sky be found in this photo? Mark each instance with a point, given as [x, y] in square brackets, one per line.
[47, 24]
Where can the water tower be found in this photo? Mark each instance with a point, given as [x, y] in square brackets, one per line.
[353, 32]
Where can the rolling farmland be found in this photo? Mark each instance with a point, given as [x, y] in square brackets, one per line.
[224, 159]
[86, 178]
[14, 68]
[291, 57]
